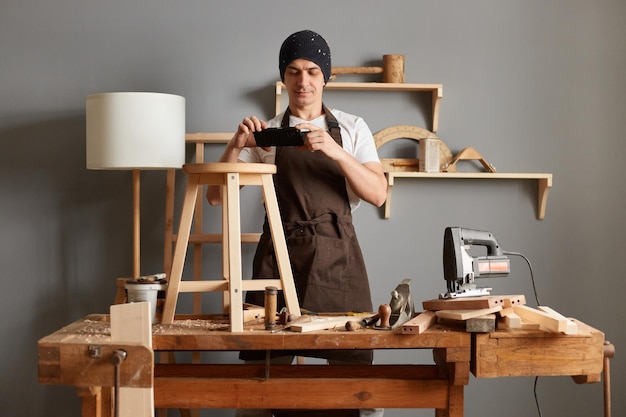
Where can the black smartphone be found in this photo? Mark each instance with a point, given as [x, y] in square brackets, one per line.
[280, 136]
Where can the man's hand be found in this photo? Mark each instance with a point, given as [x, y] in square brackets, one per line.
[319, 140]
[244, 137]
[366, 180]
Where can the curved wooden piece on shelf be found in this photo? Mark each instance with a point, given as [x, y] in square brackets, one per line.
[408, 132]
[468, 154]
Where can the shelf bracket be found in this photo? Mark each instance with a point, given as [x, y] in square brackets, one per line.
[542, 198]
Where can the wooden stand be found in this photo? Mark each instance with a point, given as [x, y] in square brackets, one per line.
[231, 176]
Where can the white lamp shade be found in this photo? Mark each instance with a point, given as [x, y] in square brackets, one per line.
[135, 131]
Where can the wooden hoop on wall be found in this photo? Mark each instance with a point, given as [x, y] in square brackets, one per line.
[388, 134]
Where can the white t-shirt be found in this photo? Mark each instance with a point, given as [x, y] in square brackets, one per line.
[356, 138]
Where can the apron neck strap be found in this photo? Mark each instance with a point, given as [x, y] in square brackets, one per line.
[331, 122]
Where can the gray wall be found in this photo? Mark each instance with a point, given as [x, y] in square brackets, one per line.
[535, 86]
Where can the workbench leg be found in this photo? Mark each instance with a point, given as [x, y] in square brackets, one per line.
[94, 401]
[455, 403]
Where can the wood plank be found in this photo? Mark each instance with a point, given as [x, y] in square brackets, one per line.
[132, 323]
[329, 393]
[514, 300]
[257, 371]
[466, 314]
[321, 323]
[464, 303]
[420, 323]
[470, 303]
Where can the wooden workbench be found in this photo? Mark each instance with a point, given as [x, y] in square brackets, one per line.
[64, 358]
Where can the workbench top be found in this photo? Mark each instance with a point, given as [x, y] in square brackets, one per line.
[213, 334]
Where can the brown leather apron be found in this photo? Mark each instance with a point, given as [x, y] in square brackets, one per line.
[326, 259]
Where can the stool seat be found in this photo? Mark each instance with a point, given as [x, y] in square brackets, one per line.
[230, 176]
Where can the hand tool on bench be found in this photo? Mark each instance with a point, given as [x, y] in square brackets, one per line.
[399, 310]
[360, 324]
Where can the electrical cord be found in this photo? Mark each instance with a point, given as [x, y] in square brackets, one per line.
[536, 398]
[532, 275]
[532, 280]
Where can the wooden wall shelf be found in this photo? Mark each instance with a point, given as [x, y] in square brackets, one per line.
[436, 91]
[544, 183]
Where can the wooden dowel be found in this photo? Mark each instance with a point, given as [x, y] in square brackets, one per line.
[356, 70]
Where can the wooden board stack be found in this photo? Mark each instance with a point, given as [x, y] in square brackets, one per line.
[483, 314]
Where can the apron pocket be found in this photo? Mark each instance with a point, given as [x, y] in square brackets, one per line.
[320, 261]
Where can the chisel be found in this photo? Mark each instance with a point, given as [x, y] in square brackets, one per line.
[366, 322]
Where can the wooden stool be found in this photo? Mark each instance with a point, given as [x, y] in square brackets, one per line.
[231, 176]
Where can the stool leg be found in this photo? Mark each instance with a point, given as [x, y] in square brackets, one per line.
[180, 251]
[280, 245]
[225, 256]
[232, 235]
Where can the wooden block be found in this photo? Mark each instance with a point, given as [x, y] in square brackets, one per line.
[514, 300]
[467, 314]
[132, 323]
[482, 324]
[513, 321]
[420, 323]
[570, 328]
[545, 320]
[252, 312]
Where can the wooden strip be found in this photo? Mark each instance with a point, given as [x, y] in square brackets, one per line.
[545, 320]
[571, 326]
[467, 314]
[321, 323]
[356, 70]
[420, 323]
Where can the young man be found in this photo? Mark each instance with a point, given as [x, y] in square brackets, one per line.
[318, 185]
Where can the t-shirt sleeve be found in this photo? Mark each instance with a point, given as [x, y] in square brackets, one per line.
[364, 145]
